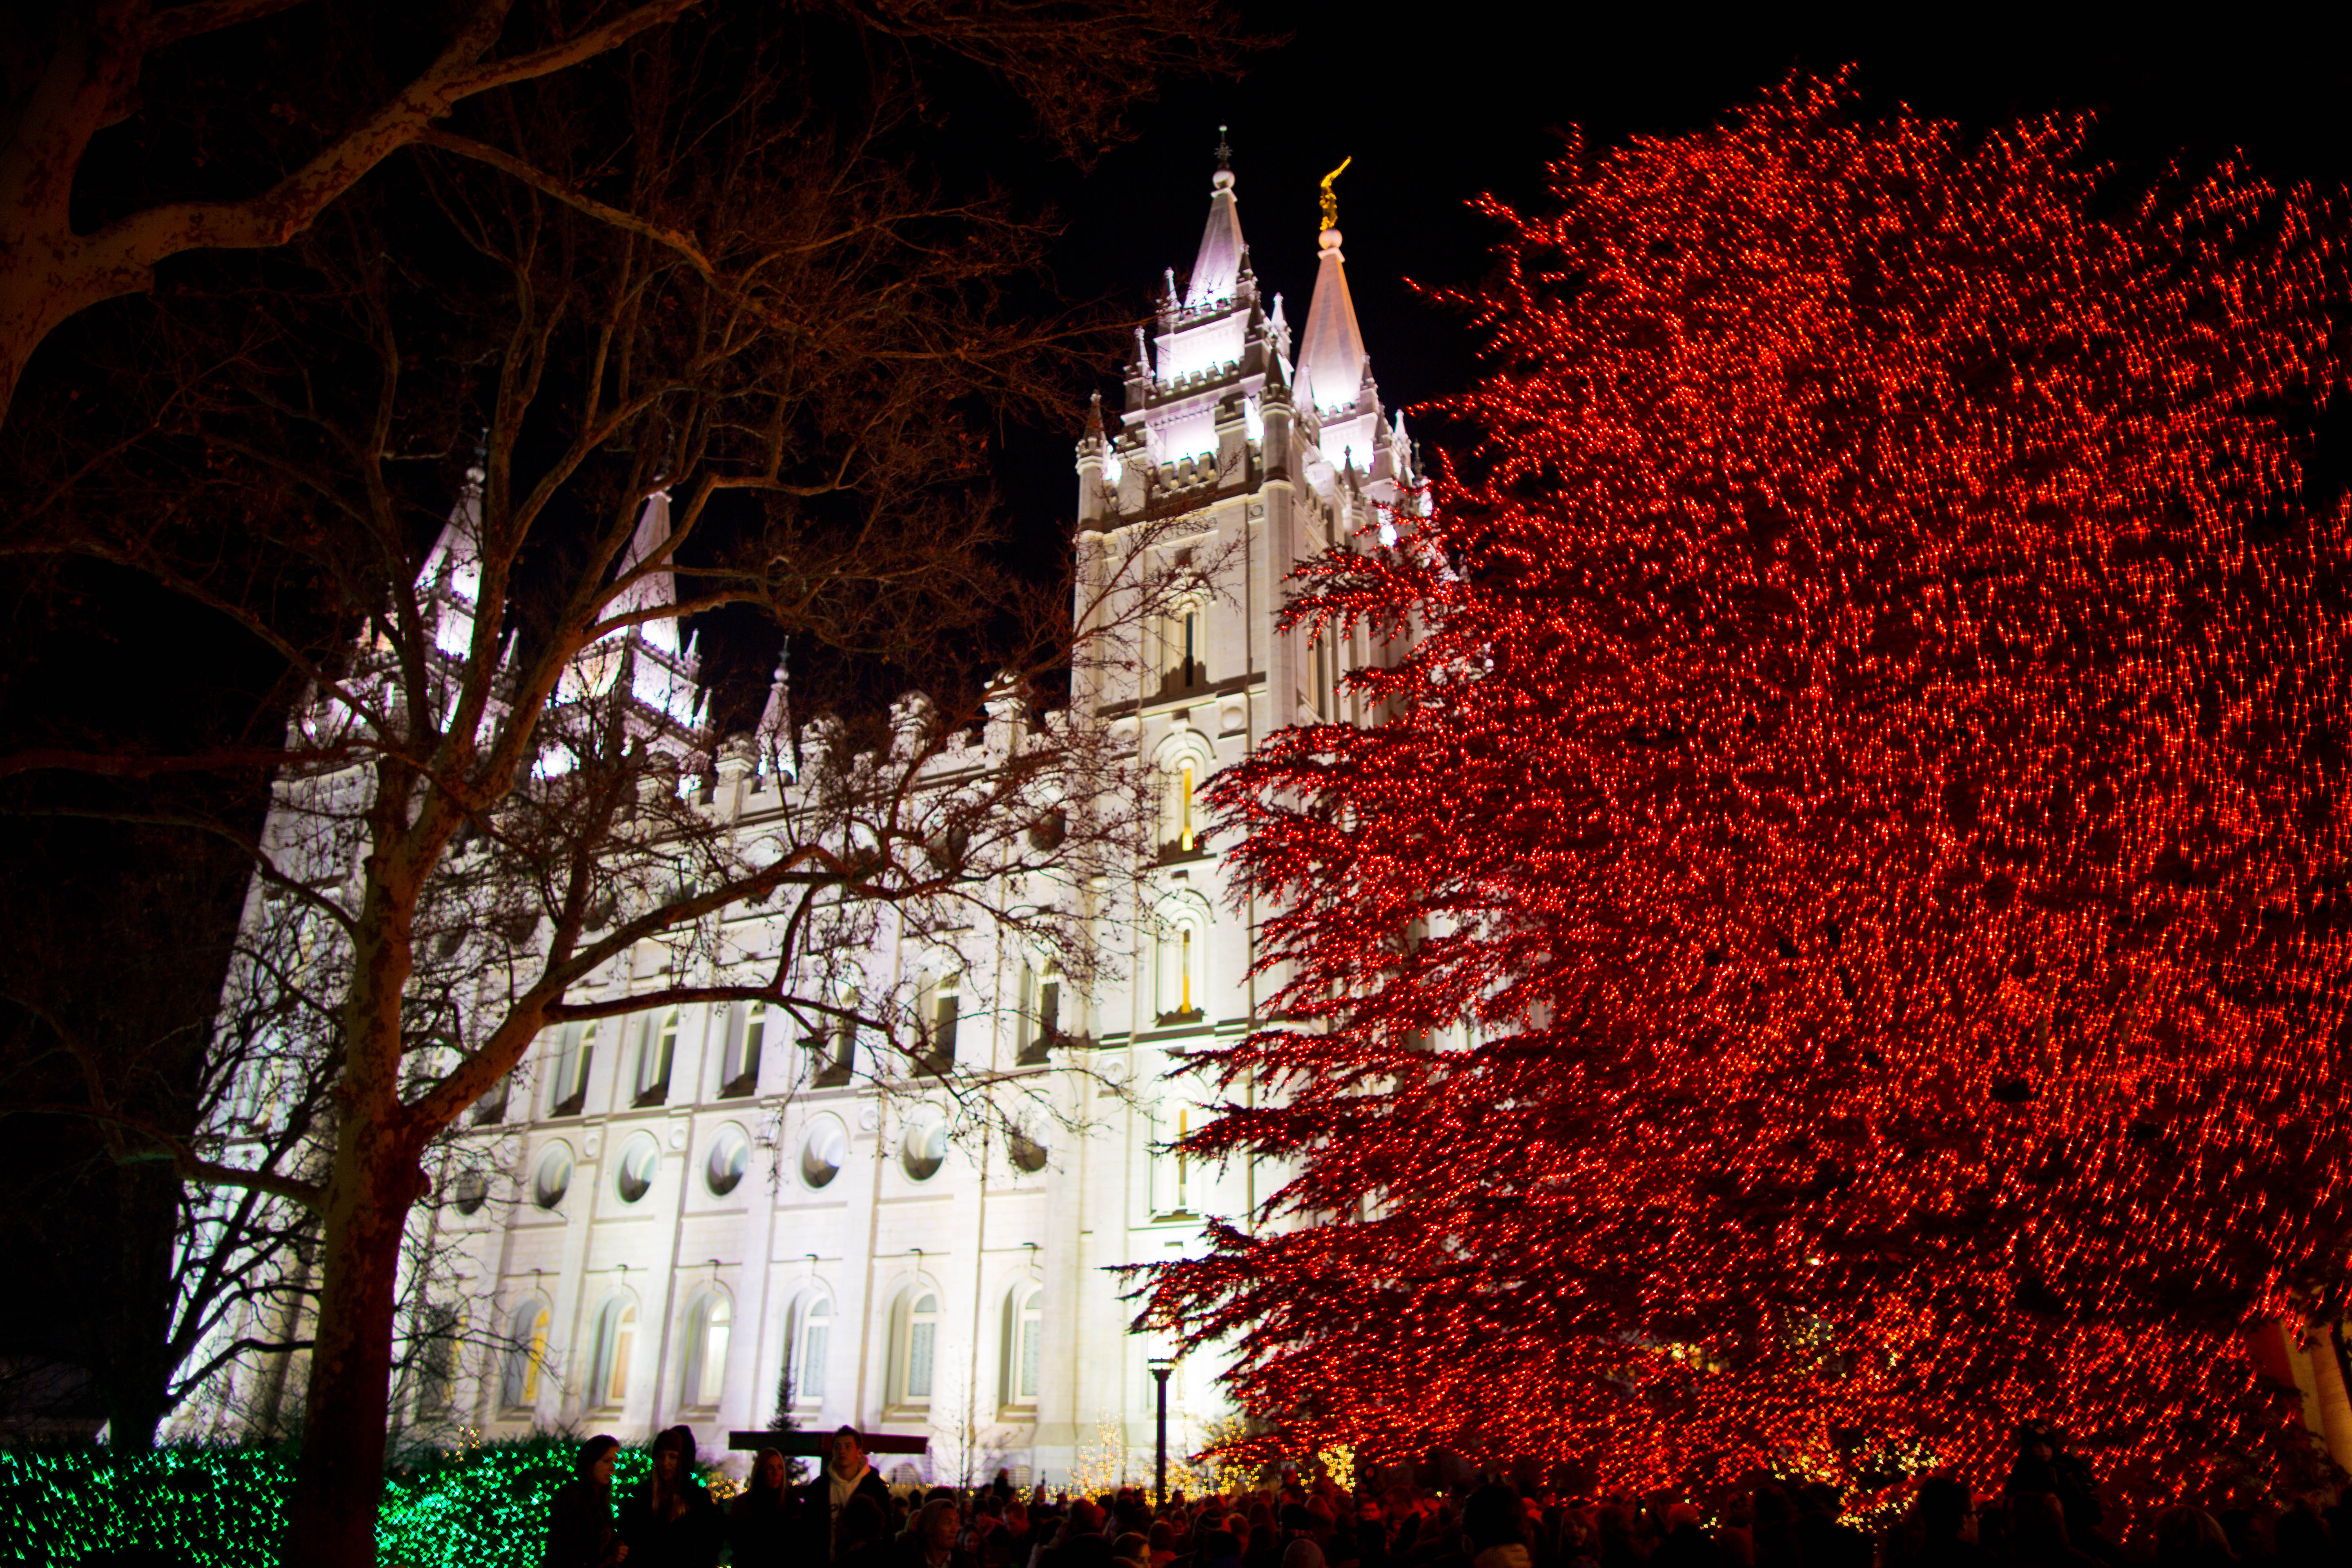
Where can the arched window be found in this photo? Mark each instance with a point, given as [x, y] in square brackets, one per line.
[526, 1354]
[703, 1377]
[616, 1340]
[914, 1346]
[1024, 1316]
[575, 1049]
[1180, 960]
[747, 1032]
[658, 1046]
[808, 1340]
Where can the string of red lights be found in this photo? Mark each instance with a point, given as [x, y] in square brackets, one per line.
[1839, 943]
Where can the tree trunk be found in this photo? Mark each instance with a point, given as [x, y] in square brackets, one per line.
[339, 1479]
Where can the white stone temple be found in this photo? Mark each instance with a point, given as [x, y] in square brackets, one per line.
[699, 1213]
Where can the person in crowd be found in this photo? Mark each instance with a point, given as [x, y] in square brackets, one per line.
[846, 1475]
[862, 1537]
[1302, 1553]
[1495, 1529]
[2040, 1538]
[1685, 1543]
[760, 1522]
[1823, 1540]
[932, 1541]
[670, 1522]
[580, 1532]
[2191, 1537]
[2045, 1465]
[1773, 1527]
[2301, 1539]
[1942, 1529]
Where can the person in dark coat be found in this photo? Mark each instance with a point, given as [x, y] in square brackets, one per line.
[580, 1521]
[845, 1476]
[760, 1522]
[670, 1522]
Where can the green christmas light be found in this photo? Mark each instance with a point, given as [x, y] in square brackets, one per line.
[222, 1508]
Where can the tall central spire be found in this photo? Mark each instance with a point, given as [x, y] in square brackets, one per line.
[1331, 355]
[1217, 270]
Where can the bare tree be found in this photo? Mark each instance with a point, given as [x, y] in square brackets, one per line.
[659, 341]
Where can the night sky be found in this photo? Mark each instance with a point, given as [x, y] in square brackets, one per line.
[1435, 114]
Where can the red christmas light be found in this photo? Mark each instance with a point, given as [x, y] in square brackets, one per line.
[1868, 780]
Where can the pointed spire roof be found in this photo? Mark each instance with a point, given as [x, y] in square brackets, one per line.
[1331, 359]
[1217, 270]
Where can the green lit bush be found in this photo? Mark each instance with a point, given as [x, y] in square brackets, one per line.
[224, 1508]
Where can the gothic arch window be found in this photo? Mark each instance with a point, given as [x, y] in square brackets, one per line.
[1183, 763]
[808, 1344]
[1179, 959]
[1024, 1318]
[914, 1346]
[615, 1341]
[656, 1048]
[702, 1372]
[575, 1049]
[525, 1355]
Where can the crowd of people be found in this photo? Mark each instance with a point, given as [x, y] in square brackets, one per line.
[2048, 1515]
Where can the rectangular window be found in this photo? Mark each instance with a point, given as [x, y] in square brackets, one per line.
[747, 1031]
[944, 1015]
[808, 1387]
[919, 1335]
[657, 1045]
[575, 1051]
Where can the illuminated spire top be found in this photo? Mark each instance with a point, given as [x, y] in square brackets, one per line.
[1217, 270]
[1331, 355]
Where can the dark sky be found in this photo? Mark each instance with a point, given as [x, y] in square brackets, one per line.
[1435, 111]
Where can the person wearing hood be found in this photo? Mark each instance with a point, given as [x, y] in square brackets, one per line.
[580, 1521]
[846, 1475]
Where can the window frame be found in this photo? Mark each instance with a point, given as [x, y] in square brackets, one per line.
[1023, 1350]
[525, 1356]
[909, 1316]
[708, 1310]
[613, 1347]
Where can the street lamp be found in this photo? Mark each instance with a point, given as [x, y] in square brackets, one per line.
[1161, 1366]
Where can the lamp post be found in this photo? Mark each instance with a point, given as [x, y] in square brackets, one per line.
[1160, 1367]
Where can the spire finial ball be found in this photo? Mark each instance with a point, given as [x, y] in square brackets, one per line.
[1329, 239]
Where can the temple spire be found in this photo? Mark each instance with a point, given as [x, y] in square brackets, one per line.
[1331, 359]
[1217, 270]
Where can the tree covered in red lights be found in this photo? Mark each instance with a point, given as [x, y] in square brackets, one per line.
[1839, 942]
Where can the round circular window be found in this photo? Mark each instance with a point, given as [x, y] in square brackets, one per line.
[731, 1156]
[553, 1177]
[1028, 1155]
[633, 1177]
[823, 1152]
[470, 1192]
[925, 1148]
